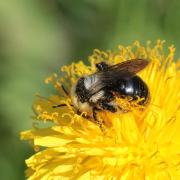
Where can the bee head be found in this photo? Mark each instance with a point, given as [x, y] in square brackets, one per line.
[79, 97]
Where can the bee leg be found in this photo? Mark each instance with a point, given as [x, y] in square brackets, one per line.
[122, 109]
[83, 115]
[95, 109]
[98, 122]
[94, 119]
[109, 97]
[102, 66]
[108, 107]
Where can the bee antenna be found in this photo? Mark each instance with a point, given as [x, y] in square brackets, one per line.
[64, 89]
[60, 105]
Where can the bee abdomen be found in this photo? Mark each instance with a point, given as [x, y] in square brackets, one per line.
[133, 87]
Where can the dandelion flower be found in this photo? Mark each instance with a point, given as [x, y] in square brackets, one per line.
[142, 143]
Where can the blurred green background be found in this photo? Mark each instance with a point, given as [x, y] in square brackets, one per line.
[39, 36]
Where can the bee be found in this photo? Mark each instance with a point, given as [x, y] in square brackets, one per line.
[98, 91]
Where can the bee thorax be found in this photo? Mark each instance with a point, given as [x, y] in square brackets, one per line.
[89, 81]
[94, 98]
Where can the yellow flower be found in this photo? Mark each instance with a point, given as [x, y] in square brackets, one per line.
[142, 143]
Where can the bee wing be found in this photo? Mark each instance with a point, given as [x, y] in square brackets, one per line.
[126, 69]
[118, 71]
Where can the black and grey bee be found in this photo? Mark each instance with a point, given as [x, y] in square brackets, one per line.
[98, 91]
